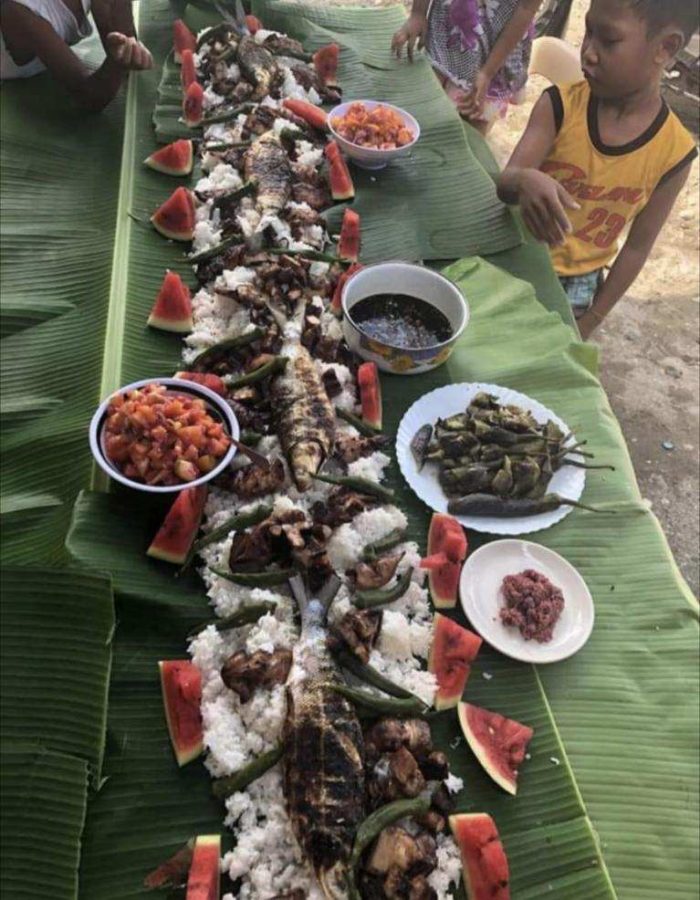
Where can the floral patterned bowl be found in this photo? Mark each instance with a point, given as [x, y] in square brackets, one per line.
[415, 281]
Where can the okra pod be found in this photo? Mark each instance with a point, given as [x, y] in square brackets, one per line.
[256, 579]
[214, 251]
[380, 819]
[363, 427]
[380, 547]
[230, 345]
[222, 788]
[235, 523]
[380, 596]
[316, 255]
[244, 616]
[370, 675]
[270, 368]
[381, 706]
[361, 485]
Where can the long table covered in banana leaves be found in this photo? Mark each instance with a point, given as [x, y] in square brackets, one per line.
[92, 798]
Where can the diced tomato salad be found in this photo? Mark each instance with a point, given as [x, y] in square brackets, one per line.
[158, 436]
[380, 128]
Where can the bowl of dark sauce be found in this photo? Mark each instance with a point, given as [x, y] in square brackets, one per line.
[402, 316]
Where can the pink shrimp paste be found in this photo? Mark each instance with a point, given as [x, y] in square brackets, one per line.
[532, 604]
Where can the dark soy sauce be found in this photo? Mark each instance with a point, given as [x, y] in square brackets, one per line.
[401, 321]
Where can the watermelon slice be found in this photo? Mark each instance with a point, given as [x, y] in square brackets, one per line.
[188, 72]
[181, 684]
[341, 184]
[179, 529]
[325, 61]
[498, 743]
[452, 652]
[307, 112]
[484, 860]
[253, 24]
[173, 159]
[175, 218]
[172, 310]
[203, 882]
[370, 394]
[193, 105]
[349, 240]
[337, 301]
[183, 39]
[208, 379]
[443, 580]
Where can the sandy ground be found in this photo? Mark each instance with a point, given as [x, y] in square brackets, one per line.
[649, 347]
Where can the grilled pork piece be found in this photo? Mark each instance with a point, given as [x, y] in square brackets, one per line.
[243, 672]
[357, 632]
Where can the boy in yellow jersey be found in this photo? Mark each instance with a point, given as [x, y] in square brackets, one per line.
[606, 153]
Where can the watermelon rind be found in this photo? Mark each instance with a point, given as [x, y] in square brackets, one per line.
[497, 769]
[172, 310]
[482, 854]
[183, 39]
[341, 184]
[443, 592]
[350, 238]
[176, 535]
[174, 159]
[203, 882]
[184, 753]
[193, 105]
[443, 627]
[178, 205]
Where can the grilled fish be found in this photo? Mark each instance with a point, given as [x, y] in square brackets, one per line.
[323, 763]
[258, 66]
[267, 165]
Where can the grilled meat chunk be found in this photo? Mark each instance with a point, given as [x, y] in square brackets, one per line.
[394, 776]
[255, 481]
[434, 766]
[368, 576]
[390, 734]
[258, 66]
[357, 632]
[243, 672]
[349, 449]
[341, 506]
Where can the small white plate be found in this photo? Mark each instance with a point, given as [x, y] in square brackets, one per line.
[480, 593]
[451, 399]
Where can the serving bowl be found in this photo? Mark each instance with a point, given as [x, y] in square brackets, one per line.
[216, 407]
[415, 281]
[369, 157]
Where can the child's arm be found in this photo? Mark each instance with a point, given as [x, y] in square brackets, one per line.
[472, 106]
[631, 259]
[543, 201]
[412, 30]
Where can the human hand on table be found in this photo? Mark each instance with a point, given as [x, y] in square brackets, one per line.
[411, 34]
[543, 203]
[472, 106]
[128, 52]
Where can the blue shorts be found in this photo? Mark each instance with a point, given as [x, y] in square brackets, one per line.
[581, 289]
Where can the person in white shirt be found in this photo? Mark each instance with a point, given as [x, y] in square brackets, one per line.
[36, 35]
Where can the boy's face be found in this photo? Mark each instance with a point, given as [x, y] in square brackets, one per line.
[618, 55]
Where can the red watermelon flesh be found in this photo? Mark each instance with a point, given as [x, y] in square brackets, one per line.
[447, 536]
[183, 39]
[337, 301]
[370, 394]
[193, 105]
[181, 684]
[179, 529]
[172, 310]
[325, 61]
[341, 184]
[175, 218]
[349, 241]
[452, 653]
[307, 112]
[188, 72]
[484, 861]
[173, 159]
[498, 743]
[208, 379]
[253, 24]
[203, 882]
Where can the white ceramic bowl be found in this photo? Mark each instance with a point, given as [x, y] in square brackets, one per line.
[416, 281]
[368, 157]
[216, 406]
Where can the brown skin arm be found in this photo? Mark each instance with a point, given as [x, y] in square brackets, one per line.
[35, 37]
[543, 201]
[634, 254]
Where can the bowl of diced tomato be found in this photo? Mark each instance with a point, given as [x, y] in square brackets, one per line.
[373, 133]
[163, 434]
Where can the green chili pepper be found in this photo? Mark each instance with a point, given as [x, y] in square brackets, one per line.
[224, 787]
[256, 579]
[316, 255]
[361, 485]
[370, 675]
[277, 364]
[226, 115]
[381, 706]
[223, 145]
[363, 427]
[388, 542]
[244, 190]
[235, 523]
[380, 596]
[251, 438]
[380, 819]
[244, 616]
[230, 345]
[214, 251]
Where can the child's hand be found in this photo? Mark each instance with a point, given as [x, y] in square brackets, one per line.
[472, 107]
[128, 52]
[413, 30]
[543, 203]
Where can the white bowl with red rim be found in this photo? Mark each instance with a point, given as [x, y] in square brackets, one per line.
[372, 157]
[216, 406]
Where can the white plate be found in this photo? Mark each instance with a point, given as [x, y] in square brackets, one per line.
[447, 401]
[480, 593]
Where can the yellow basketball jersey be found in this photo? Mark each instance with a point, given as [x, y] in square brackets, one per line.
[611, 184]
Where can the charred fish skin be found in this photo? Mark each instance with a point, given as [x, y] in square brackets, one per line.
[268, 167]
[323, 764]
[258, 66]
[305, 415]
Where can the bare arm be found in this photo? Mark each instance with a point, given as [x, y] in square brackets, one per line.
[634, 254]
[413, 31]
[543, 201]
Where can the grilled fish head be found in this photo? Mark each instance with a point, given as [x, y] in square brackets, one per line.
[258, 67]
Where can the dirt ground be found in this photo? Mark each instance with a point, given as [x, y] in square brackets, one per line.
[649, 347]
